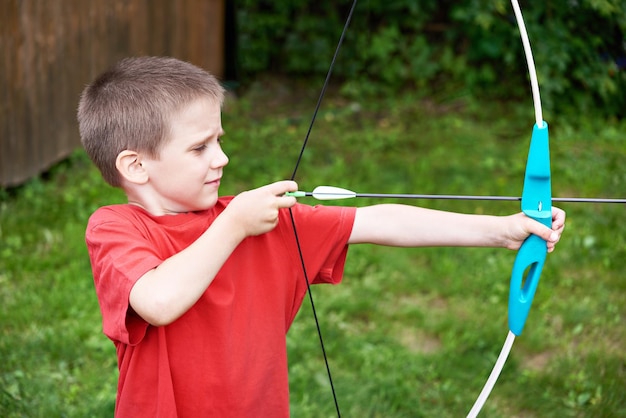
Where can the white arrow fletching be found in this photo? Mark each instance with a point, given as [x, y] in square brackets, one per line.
[332, 193]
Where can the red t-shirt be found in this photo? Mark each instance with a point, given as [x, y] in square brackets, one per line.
[226, 356]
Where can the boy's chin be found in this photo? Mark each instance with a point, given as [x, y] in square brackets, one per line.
[206, 204]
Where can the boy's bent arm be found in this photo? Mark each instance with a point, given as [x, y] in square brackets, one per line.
[409, 226]
[166, 292]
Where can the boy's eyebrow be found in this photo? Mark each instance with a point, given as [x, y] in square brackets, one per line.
[208, 138]
[211, 135]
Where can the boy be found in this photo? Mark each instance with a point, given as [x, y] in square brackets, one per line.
[196, 291]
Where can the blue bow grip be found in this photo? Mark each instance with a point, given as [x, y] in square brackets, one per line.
[537, 204]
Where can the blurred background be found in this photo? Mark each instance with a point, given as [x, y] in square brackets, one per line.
[51, 50]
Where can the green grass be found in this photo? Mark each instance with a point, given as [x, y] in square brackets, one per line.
[410, 332]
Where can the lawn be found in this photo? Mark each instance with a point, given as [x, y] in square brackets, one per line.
[410, 332]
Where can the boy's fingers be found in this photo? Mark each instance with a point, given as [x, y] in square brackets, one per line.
[544, 232]
[558, 218]
[286, 201]
[553, 234]
[279, 188]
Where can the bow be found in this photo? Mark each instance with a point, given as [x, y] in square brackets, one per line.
[536, 203]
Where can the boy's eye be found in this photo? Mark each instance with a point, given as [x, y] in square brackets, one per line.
[200, 147]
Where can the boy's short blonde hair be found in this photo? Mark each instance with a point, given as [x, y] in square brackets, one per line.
[129, 107]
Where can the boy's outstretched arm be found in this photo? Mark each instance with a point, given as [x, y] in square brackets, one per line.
[410, 226]
[166, 292]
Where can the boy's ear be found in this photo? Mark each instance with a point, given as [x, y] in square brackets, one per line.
[129, 166]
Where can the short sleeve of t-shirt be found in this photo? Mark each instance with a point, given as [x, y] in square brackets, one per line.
[322, 233]
[120, 254]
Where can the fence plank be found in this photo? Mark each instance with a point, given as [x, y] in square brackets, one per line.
[51, 49]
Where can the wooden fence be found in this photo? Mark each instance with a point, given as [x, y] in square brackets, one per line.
[51, 49]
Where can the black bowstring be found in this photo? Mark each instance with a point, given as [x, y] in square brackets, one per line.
[293, 222]
[324, 87]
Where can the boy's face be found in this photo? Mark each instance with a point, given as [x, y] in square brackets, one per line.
[186, 175]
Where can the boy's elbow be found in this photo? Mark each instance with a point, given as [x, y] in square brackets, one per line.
[156, 308]
[158, 314]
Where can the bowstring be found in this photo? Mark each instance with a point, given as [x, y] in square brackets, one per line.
[293, 222]
[324, 87]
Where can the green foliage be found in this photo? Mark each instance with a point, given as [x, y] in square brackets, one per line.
[577, 67]
[579, 47]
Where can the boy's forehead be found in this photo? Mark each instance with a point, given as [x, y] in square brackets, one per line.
[201, 107]
[208, 103]
[202, 114]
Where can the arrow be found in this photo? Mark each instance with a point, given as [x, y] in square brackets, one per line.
[336, 193]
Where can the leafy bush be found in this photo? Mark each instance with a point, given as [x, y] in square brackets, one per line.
[579, 47]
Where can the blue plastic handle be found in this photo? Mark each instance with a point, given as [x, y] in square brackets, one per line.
[529, 263]
[537, 204]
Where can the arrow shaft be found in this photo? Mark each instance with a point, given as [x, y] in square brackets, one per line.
[469, 197]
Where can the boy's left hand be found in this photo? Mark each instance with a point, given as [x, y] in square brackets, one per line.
[523, 226]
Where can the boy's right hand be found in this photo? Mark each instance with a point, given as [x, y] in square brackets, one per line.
[256, 211]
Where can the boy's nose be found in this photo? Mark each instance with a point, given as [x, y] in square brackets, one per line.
[219, 160]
